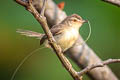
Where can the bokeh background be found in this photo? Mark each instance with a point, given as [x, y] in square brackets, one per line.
[44, 65]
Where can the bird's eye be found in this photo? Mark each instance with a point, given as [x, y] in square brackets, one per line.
[75, 20]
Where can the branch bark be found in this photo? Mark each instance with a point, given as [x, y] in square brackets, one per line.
[81, 54]
[42, 20]
[83, 71]
[101, 64]
[114, 2]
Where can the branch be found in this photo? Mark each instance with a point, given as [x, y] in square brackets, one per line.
[83, 71]
[82, 55]
[43, 8]
[23, 3]
[101, 64]
[114, 2]
[42, 20]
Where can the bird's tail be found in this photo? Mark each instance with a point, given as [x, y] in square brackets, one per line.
[30, 33]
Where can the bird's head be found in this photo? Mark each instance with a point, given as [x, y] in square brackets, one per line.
[74, 21]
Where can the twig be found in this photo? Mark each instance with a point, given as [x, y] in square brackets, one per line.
[43, 8]
[114, 2]
[22, 3]
[42, 20]
[81, 54]
[83, 71]
[101, 64]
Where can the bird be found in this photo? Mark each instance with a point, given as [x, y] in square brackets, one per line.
[65, 33]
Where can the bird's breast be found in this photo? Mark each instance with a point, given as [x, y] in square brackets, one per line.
[67, 38]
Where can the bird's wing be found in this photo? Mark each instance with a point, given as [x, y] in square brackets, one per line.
[30, 33]
[55, 30]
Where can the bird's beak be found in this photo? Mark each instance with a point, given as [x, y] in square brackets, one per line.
[85, 21]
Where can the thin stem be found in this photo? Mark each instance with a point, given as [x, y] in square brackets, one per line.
[42, 20]
[101, 64]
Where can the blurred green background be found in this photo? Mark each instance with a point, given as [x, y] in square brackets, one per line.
[44, 65]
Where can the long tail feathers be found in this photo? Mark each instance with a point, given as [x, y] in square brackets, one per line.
[30, 33]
